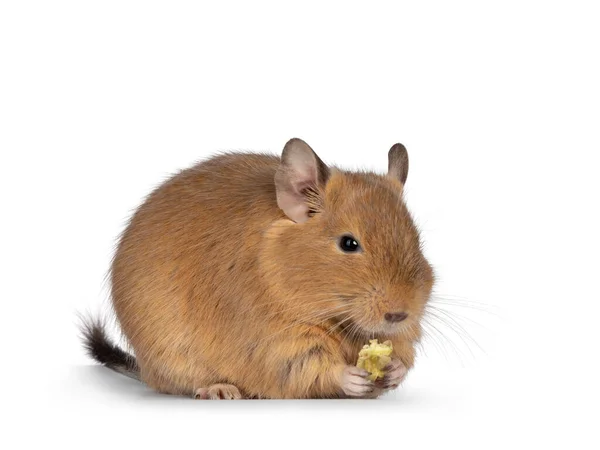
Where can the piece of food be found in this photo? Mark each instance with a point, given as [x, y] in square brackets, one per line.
[374, 357]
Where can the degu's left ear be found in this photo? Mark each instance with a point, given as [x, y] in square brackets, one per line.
[300, 175]
[398, 162]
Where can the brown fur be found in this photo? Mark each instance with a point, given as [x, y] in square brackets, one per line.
[213, 284]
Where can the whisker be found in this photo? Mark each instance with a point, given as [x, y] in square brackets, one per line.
[455, 331]
[323, 316]
[456, 321]
[444, 340]
[464, 303]
[430, 337]
[454, 314]
[332, 328]
[325, 297]
[291, 308]
[339, 324]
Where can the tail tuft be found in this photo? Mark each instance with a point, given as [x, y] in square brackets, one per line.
[99, 347]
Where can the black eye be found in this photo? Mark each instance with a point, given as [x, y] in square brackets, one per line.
[349, 244]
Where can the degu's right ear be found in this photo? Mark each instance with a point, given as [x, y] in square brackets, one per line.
[301, 173]
[398, 163]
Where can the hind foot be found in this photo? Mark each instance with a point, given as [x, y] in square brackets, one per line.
[218, 392]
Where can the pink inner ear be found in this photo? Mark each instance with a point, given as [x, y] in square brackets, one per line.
[303, 164]
[299, 171]
[293, 205]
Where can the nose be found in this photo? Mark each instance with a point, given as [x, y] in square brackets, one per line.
[395, 316]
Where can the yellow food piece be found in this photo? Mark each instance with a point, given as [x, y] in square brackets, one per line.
[374, 357]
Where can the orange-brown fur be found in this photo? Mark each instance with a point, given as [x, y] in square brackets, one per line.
[212, 283]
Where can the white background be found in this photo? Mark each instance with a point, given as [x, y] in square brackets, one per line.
[498, 105]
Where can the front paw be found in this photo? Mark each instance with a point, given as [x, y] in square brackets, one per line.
[395, 372]
[354, 382]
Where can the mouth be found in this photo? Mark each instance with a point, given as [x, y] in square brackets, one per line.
[385, 329]
[389, 325]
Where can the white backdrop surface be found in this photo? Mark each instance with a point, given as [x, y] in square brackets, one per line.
[498, 105]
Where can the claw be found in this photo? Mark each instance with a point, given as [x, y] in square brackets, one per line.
[394, 375]
[218, 392]
[355, 383]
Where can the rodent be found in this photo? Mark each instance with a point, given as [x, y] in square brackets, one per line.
[256, 276]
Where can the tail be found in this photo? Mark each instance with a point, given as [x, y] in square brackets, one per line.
[99, 347]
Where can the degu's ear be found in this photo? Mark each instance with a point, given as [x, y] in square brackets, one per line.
[301, 174]
[398, 162]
